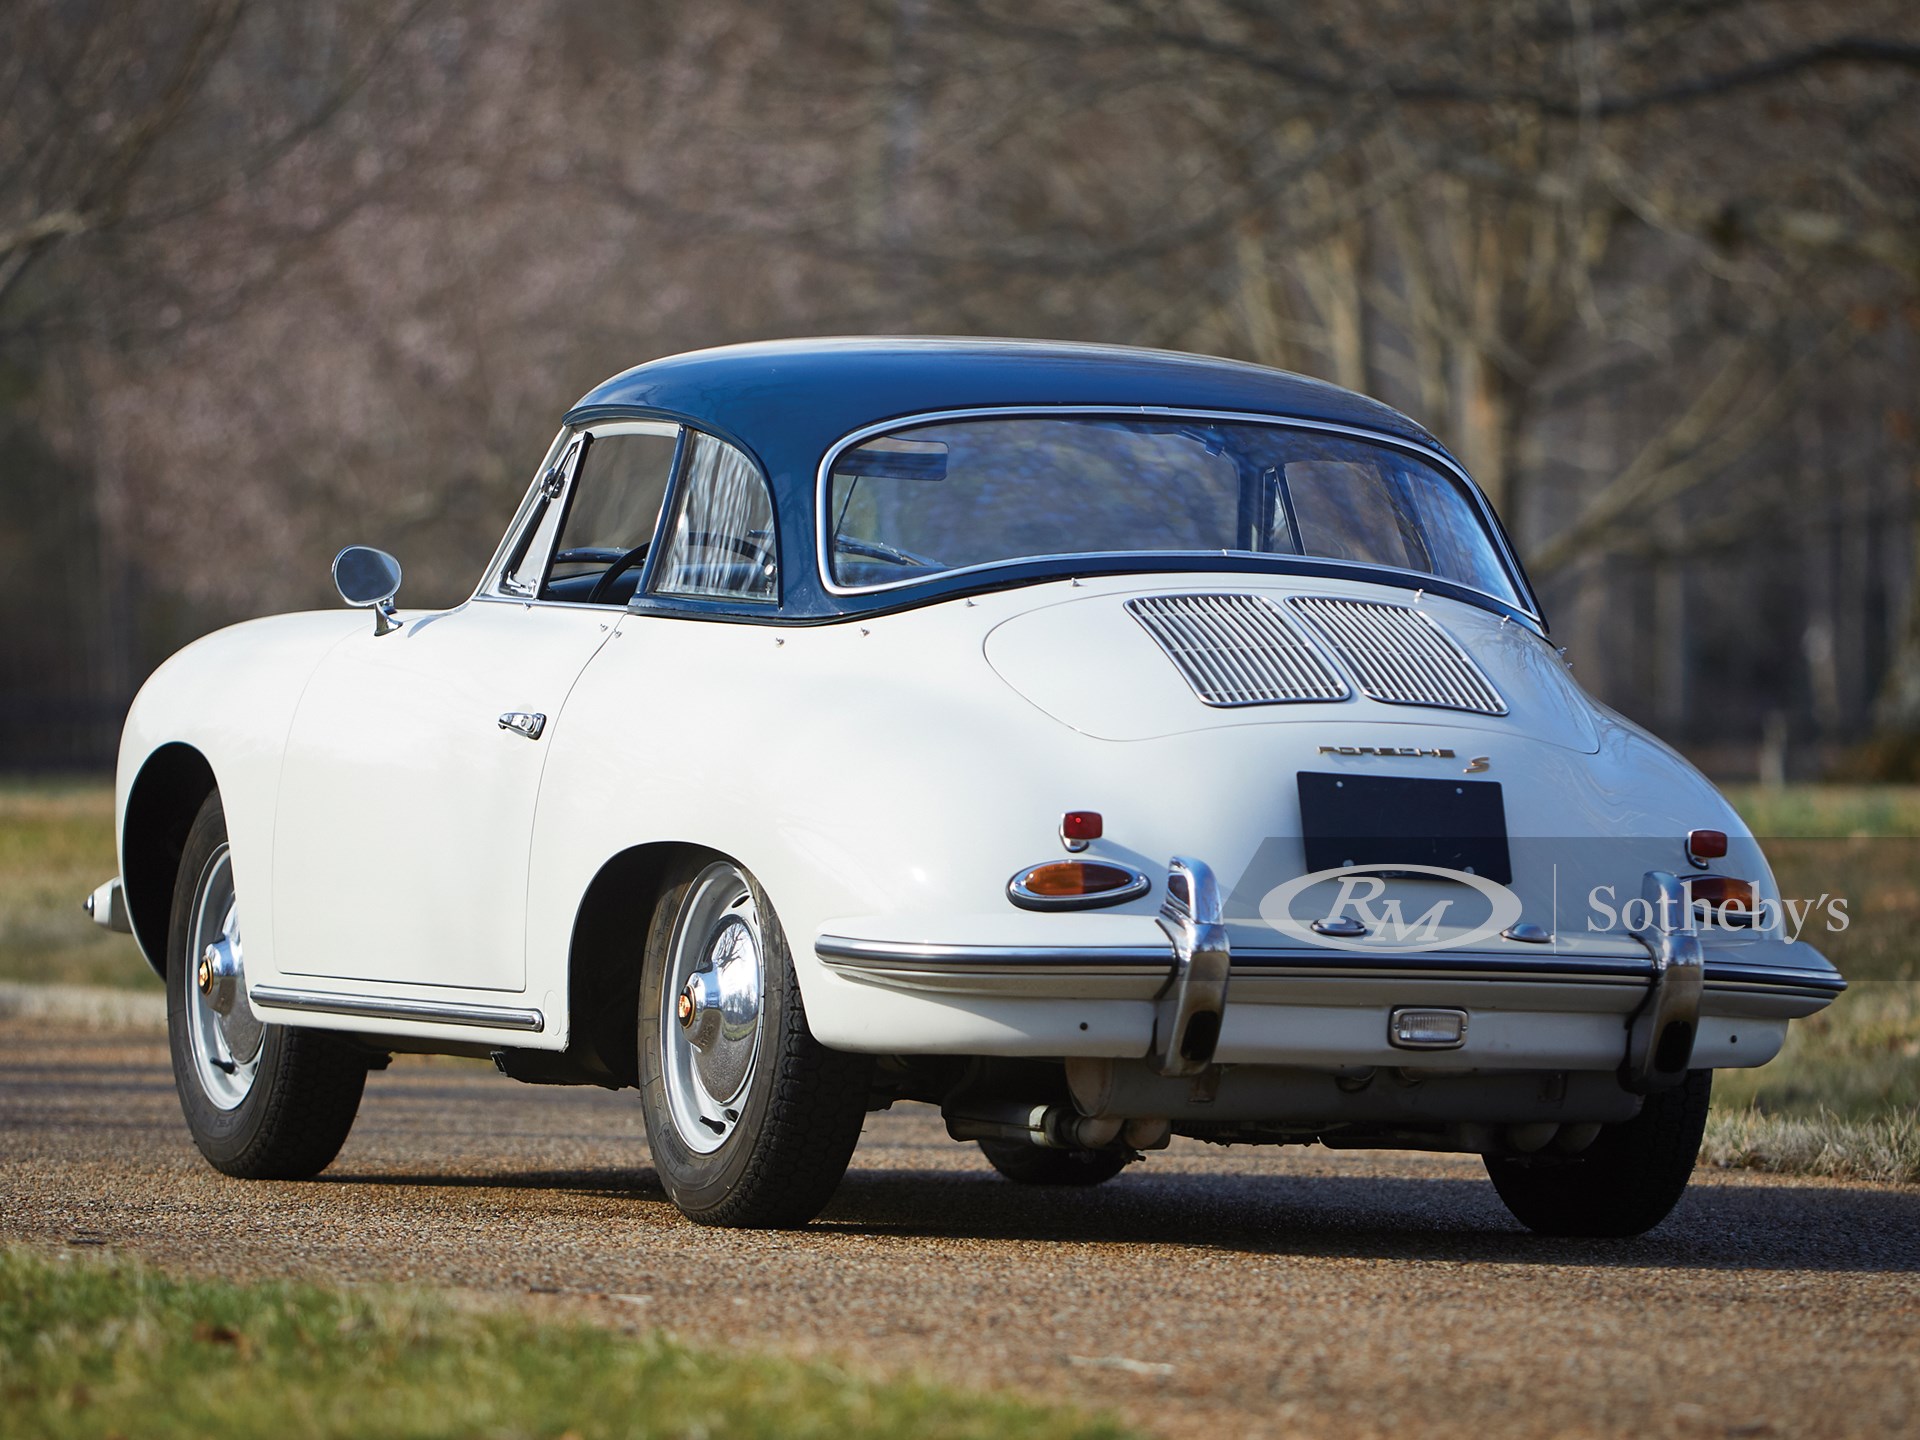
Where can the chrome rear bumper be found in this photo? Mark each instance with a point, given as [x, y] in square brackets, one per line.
[1641, 1014]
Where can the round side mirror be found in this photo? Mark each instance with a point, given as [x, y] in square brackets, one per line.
[368, 578]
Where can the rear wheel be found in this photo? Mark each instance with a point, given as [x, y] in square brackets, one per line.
[1626, 1182]
[1042, 1165]
[750, 1119]
[263, 1102]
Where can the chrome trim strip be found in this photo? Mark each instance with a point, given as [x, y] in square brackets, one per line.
[881, 957]
[1729, 973]
[437, 1012]
[1523, 600]
[839, 948]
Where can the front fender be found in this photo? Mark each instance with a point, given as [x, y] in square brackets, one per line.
[228, 701]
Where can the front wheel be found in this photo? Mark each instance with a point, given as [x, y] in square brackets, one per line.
[750, 1119]
[1625, 1183]
[263, 1102]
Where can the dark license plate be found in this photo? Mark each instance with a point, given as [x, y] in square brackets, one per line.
[1384, 820]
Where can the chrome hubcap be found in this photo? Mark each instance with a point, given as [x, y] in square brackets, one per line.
[710, 1032]
[222, 1030]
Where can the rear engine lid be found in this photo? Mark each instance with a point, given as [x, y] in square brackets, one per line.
[1127, 663]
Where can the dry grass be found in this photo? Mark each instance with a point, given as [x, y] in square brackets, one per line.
[1857, 1059]
[56, 845]
[1884, 1148]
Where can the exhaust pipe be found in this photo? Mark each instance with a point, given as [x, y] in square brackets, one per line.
[1055, 1126]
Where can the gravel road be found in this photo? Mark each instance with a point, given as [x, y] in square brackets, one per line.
[1206, 1292]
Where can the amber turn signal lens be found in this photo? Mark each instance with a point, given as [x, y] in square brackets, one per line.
[1076, 877]
[1074, 885]
[1706, 845]
[1721, 892]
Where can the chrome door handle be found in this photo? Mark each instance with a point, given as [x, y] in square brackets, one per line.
[521, 723]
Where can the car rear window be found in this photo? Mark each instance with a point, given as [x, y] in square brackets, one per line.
[960, 494]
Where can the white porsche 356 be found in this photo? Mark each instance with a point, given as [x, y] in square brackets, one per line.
[1098, 744]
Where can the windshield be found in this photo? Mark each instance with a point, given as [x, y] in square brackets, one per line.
[954, 494]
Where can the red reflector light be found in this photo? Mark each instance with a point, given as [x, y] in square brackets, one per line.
[1081, 825]
[1706, 844]
[1721, 892]
[1074, 885]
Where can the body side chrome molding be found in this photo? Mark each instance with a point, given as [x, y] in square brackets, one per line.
[384, 1007]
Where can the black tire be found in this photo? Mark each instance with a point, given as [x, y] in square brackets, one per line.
[1625, 1183]
[1041, 1165]
[305, 1090]
[799, 1117]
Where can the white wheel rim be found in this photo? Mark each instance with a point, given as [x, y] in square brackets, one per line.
[710, 1055]
[226, 1047]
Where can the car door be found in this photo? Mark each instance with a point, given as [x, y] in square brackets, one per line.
[413, 765]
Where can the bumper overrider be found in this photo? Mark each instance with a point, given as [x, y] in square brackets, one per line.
[1649, 1017]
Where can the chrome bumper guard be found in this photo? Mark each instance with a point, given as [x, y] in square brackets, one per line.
[107, 906]
[1187, 1013]
[1661, 1033]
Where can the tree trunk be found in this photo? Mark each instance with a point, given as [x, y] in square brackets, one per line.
[1894, 751]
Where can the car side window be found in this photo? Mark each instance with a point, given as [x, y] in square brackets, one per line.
[720, 541]
[611, 516]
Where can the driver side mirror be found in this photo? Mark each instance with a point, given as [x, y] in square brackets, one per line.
[369, 579]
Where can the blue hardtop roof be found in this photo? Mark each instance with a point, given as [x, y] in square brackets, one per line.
[802, 395]
[788, 402]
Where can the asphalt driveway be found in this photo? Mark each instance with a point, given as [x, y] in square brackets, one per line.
[1208, 1291]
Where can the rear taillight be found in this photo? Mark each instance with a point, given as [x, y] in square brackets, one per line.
[1080, 828]
[1705, 845]
[1075, 885]
[1727, 900]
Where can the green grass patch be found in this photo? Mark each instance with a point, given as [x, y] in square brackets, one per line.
[1827, 810]
[94, 1347]
[56, 845]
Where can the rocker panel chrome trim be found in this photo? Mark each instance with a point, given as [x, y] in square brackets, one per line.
[378, 1007]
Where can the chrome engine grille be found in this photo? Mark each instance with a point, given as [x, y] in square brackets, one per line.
[1399, 655]
[1237, 649]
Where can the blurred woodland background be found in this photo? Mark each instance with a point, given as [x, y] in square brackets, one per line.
[281, 275]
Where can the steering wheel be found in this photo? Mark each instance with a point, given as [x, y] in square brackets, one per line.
[626, 561]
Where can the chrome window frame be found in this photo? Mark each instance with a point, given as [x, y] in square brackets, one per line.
[1522, 600]
[492, 585]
